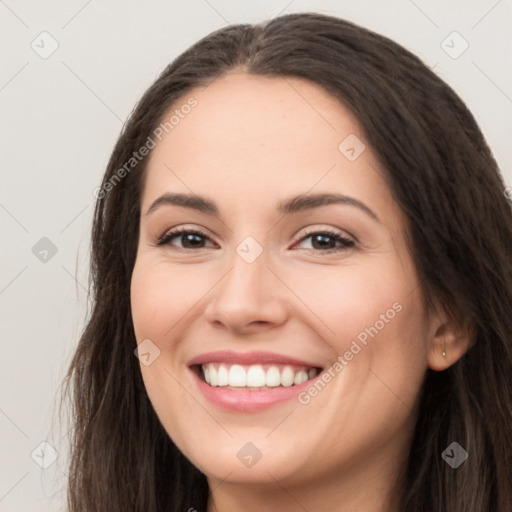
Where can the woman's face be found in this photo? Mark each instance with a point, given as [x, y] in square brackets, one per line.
[274, 289]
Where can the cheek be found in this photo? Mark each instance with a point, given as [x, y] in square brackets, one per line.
[373, 317]
[347, 300]
[163, 294]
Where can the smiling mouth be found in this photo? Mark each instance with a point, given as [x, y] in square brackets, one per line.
[256, 377]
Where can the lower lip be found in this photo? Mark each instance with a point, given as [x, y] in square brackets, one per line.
[248, 401]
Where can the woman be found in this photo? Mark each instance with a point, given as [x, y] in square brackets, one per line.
[302, 287]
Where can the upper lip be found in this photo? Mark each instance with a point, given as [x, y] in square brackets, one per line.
[248, 358]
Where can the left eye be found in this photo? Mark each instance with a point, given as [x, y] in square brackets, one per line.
[322, 241]
[325, 241]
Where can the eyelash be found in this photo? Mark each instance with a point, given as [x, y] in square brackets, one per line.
[346, 242]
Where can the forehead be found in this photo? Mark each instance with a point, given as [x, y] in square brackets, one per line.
[250, 137]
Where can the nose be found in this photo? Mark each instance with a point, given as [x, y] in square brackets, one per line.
[249, 298]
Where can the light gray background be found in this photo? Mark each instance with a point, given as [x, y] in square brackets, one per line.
[60, 119]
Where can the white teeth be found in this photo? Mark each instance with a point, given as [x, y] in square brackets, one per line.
[237, 376]
[273, 377]
[287, 376]
[300, 377]
[214, 381]
[255, 376]
[222, 376]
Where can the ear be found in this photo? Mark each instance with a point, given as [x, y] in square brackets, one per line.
[452, 337]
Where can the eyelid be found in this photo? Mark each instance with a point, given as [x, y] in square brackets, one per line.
[176, 231]
[334, 231]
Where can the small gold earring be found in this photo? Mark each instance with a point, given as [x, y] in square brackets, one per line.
[444, 353]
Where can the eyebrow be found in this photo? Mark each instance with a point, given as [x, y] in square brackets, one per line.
[292, 205]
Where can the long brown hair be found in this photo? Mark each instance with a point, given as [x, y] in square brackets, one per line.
[443, 176]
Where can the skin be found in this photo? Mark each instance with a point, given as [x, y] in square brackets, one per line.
[270, 139]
